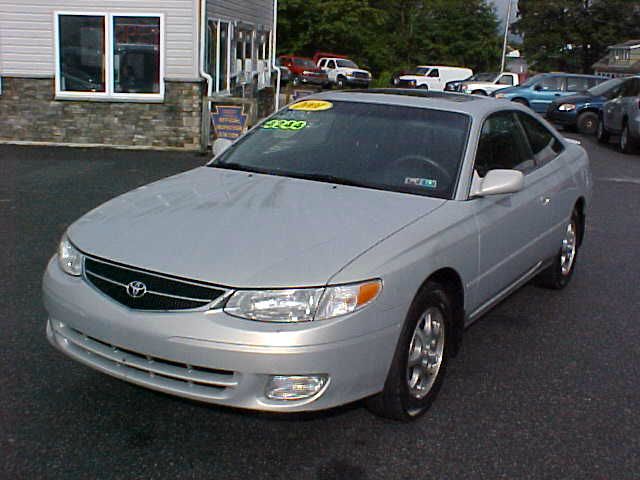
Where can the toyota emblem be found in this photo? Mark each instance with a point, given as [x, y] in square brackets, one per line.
[136, 289]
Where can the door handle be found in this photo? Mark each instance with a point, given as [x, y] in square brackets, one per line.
[545, 201]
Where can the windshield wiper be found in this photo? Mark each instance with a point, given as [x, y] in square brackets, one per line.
[320, 177]
[238, 167]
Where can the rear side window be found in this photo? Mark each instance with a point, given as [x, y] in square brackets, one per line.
[544, 145]
[503, 144]
[551, 83]
[578, 84]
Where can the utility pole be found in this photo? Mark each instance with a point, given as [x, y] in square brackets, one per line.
[506, 35]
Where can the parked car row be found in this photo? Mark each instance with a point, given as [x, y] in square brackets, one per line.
[324, 70]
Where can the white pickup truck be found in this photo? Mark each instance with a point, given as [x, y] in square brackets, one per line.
[493, 83]
[343, 72]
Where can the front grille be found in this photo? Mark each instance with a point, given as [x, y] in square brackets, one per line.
[360, 75]
[162, 292]
[202, 383]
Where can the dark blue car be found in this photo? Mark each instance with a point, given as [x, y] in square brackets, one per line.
[582, 111]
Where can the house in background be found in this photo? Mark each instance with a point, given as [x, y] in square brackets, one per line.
[132, 73]
[622, 60]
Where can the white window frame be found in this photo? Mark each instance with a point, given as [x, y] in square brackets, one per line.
[109, 42]
[217, 87]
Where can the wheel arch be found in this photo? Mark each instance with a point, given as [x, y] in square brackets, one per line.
[452, 283]
[580, 208]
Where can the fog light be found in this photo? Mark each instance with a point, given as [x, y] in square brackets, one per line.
[295, 387]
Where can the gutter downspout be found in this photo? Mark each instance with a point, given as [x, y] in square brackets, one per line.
[205, 129]
[273, 56]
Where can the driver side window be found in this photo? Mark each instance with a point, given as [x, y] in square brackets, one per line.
[434, 73]
[502, 145]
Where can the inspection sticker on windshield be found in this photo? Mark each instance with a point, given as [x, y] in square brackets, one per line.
[312, 106]
[421, 182]
[283, 124]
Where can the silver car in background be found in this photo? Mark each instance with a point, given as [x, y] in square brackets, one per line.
[336, 252]
[621, 116]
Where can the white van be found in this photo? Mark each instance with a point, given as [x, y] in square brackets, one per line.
[434, 77]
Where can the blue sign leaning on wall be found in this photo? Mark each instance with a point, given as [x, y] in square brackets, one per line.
[228, 121]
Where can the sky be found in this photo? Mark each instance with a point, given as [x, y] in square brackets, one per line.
[501, 7]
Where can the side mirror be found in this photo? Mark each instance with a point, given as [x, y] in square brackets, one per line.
[537, 88]
[220, 146]
[497, 182]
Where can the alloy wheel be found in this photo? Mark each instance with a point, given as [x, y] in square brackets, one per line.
[426, 352]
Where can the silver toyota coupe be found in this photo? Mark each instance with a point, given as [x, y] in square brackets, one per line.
[335, 252]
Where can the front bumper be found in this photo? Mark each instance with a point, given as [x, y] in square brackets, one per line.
[212, 357]
[358, 82]
[314, 79]
[566, 119]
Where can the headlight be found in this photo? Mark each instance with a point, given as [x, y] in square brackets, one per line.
[464, 88]
[567, 107]
[500, 95]
[302, 304]
[69, 258]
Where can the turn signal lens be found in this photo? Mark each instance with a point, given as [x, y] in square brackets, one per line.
[344, 299]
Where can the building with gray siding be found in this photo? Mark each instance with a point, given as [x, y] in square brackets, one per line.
[127, 73]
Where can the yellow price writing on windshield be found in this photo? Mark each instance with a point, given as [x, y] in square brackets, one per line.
[277, 124]
[312, 106]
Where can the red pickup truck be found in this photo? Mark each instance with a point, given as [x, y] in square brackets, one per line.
[304, 71]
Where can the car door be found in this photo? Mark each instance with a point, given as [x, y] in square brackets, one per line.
[613, 110]
[546, 91]
[434, 80]
[552, 182]
[509, 224]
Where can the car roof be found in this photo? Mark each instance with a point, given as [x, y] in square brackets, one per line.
[474, 105]
[562, 74]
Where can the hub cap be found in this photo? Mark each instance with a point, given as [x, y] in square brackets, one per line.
[425, 352]
[568, 252]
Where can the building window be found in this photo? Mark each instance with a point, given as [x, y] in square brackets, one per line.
[219, 54]
[109, 57]
[81, 54]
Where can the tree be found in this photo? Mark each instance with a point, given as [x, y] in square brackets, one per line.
[392, 34]
[571, 35]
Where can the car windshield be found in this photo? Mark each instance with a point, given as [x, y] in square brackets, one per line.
[484, 77]
[532, 81]
[304, 62]
[346, 64]
[402, 149]
[605, 87]
[422, 70]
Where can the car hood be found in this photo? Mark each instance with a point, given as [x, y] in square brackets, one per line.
[245, 230]
[580, 98]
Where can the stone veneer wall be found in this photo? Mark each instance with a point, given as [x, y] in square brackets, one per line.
[29, 113]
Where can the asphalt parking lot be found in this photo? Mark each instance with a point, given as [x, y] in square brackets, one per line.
[547, 385]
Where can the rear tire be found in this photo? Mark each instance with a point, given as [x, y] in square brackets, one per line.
[559, 273]
[587, 123]
[419, 363]
[601, 133]
[423, 87]
[479, 92]
[340, 82]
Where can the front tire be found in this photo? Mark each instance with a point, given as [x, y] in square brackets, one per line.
[559, 273]
[419, 364]
[601, 133]
[587, 123]
[479, 92]
[626, 143]
[521, 101]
